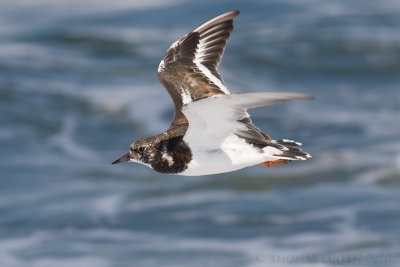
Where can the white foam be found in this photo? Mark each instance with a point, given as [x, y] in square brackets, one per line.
[107, 205]
[189, 198]
[67, 141]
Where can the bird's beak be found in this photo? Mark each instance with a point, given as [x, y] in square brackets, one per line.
[124, 158]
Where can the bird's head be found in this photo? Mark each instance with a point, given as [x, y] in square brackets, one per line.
[142, 151]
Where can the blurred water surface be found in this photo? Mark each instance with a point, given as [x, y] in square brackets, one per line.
[78, 84]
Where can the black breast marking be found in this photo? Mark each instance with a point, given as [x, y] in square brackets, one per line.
[173, 156]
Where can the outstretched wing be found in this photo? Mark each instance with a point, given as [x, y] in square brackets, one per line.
[213, 119]
[189, 68]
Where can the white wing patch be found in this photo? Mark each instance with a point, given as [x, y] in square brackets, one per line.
[161, 66]
[186, 97]
[210, 76]
[197, 61]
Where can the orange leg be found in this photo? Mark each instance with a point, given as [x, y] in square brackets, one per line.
[274, 163]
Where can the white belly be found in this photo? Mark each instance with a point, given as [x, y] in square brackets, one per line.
[234, 154]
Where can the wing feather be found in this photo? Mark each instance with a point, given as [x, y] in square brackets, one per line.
[213, 119]
[189, 69]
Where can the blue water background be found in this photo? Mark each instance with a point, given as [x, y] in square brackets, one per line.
[78, 84]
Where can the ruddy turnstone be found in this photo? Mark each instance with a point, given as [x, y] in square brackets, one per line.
[211, 130]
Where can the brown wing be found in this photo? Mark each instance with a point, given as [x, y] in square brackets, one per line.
[189, 68]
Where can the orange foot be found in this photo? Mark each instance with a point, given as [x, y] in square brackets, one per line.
[274, 163]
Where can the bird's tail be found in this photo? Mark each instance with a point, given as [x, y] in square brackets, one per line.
[288, 150]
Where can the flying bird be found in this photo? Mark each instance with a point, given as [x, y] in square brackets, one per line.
[211, 130]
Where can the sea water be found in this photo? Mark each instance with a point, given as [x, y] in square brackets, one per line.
[78, 84]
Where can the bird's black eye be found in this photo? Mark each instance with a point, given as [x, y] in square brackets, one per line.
[141, 149]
